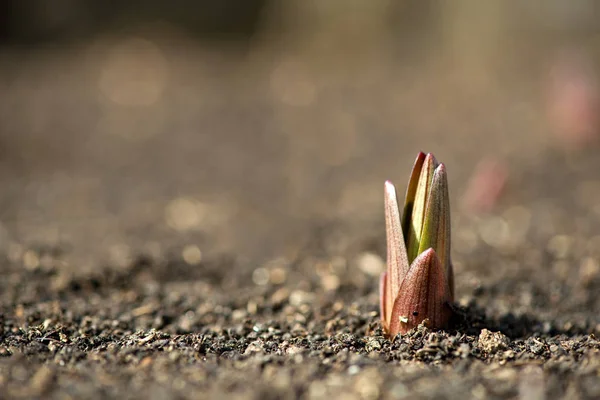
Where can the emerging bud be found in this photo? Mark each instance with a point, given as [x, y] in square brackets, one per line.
[418, 283]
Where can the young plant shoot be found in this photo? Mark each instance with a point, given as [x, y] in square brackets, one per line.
[418, 284]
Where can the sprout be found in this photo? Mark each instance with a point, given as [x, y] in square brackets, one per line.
[418, 284]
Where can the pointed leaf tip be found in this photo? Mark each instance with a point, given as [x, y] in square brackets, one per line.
[436, 229]
[390, 189]
[436, 223]
[419, 208]
[411, 191]
[397, 260]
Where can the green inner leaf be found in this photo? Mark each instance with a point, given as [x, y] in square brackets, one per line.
[436, 227]
[411, 191]
[420, 206]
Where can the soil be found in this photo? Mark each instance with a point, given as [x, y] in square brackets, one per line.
[244, 264]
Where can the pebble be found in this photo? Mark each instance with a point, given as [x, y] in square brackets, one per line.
[278, 275]
[370, 263]
[353, 370]
[293, 350]
[373, 344]
[238, 315]
[464, 350]
[260, 276]
[589, 269]
[492, 342]
[280, 296]
[183, 213]
[254, 347]
[300, 297]
[191, 254]
[41, 380]
[330, 282]
[31, 259]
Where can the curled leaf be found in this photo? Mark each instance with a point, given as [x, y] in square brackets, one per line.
[417, 216]
[397, 261]
[424, 295]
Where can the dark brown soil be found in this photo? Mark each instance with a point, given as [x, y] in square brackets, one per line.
[230, 247]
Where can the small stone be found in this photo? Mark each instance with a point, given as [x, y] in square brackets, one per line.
[330, 282]
[370, 263]
[353, 370]
[373, 345]
[183, 214]
[260, 276]
[589, 269]
[280, 296]
[536, 347]
[31, 259]
[42, 379]
[252, 307]
[254, 347]
[492, 342]
[464, 350]
[509, 354]
[191, 255]
[293, 350]
[299, 297]
[238, 315]
[278, 275]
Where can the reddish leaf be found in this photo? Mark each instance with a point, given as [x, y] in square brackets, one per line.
[397, 261]
[424, 294]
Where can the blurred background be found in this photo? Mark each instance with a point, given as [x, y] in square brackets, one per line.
[242, 126]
